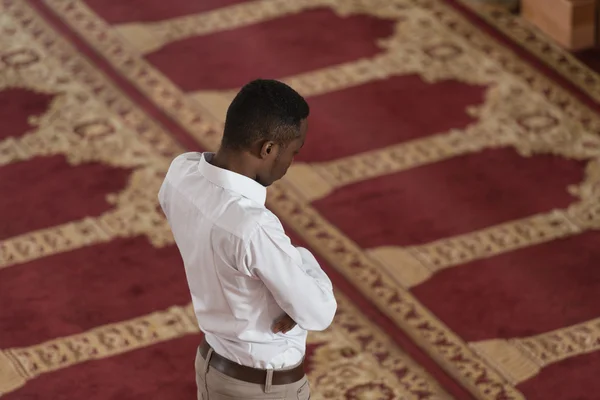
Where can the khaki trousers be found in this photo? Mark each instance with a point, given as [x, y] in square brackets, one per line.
[214, 385]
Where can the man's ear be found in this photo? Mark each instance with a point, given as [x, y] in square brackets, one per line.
[267, 149]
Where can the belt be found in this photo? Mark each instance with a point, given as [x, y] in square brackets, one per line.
[249, 374]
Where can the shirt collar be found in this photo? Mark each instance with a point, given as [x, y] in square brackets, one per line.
[232, 180]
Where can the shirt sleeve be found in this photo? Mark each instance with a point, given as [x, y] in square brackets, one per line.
[293, 276]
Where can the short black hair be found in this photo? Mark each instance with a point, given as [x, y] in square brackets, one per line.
[264, 109]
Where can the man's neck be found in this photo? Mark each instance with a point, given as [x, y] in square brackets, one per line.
[234, 161]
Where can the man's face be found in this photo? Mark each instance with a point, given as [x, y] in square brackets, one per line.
[278, 163]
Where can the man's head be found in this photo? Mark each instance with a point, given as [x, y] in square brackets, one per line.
[268, 121]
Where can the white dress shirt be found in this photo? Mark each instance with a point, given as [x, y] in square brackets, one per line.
[242, 270]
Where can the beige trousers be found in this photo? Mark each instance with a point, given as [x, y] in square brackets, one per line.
[214, 385]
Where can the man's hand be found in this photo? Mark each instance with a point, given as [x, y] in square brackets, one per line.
[283, 324]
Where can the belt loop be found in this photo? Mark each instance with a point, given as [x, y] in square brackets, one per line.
[269, 380]
[206, 366]
[207, 363]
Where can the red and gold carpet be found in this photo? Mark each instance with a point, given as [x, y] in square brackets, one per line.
[450, 186]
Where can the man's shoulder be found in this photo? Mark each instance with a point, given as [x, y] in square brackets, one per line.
[186, 158]
[190, 156]
[182, 163]
[264, 222]
[244, 220]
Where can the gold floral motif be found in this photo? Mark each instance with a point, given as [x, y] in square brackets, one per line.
[589, 190]
[345, 75]
[45, 242]
[351, 345]
[136, 208]
[412, 272]
[586, 213]
[101, 342]
[420, 262]
[523, 358]
[494, 240]
[564, 343]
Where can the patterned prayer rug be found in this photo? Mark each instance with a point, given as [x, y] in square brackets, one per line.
[450, 186]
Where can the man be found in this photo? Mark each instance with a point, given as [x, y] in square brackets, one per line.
[254, 294]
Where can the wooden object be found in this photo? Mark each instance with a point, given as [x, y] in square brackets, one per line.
[571, 23]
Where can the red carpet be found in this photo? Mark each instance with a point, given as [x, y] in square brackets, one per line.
[449, 186]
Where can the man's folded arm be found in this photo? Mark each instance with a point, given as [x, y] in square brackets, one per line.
[299, 286]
